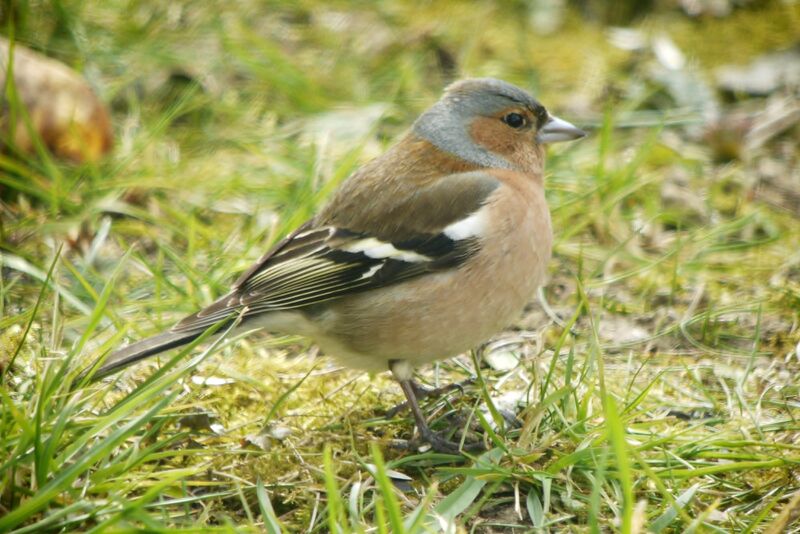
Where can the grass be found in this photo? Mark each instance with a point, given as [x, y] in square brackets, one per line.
[658, 392]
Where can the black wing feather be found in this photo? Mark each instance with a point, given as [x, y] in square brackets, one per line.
[313, 265]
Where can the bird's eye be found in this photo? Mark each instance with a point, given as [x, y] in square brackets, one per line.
[515, 120]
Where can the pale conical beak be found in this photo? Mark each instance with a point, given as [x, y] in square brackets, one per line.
[556, 130]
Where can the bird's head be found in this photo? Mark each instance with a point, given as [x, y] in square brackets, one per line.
[493, 124]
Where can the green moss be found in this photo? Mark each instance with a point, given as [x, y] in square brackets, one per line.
[740, 37]
[220, 154]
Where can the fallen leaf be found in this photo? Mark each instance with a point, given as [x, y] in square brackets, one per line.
[64, 112]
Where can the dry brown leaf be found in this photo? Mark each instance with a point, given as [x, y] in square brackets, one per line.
[71, 121]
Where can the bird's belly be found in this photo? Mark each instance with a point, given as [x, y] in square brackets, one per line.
[438, 315]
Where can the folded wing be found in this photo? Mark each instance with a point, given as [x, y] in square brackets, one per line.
[321, 262]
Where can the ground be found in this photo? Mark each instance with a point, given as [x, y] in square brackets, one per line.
[652, 385]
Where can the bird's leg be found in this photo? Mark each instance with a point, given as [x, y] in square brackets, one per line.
[438, 443]
[402, 372]
[422, 392]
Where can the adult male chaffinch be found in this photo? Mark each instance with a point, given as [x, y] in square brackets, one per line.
[421, 254]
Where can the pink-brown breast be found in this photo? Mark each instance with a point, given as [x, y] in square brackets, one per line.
[440, 315]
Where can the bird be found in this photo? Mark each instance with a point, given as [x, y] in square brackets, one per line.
[421, 254]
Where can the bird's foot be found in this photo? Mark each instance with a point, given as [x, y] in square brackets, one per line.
[413, 392]
[421, 392]
[439, 443]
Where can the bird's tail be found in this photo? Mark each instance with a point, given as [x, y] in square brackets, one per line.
[138, 351]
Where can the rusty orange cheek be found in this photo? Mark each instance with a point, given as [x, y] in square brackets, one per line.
[494, 135]
[517, 147]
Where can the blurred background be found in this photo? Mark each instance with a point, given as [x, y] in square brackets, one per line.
[154, 150]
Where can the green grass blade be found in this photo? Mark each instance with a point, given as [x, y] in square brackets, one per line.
[387, 491]
[271, 523]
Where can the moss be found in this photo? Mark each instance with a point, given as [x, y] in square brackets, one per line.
[740, 37]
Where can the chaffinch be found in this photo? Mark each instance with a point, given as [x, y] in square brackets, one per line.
[421, 254]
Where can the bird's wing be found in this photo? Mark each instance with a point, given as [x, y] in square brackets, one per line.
[322, 260]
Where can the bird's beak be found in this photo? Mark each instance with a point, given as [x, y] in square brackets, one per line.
[556, 130]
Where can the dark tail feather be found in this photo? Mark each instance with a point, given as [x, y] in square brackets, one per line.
[138, 351]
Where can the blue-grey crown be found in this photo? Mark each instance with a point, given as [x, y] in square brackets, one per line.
[445, 124]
